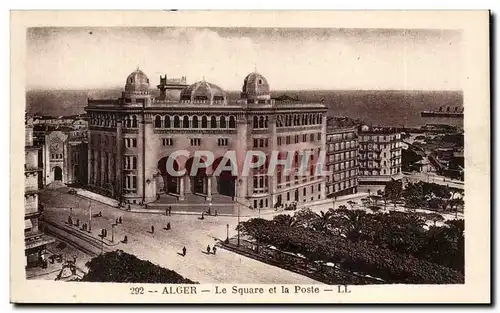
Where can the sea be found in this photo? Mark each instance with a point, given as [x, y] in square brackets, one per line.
[398, 108]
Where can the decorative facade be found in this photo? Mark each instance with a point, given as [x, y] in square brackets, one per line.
[132, 138]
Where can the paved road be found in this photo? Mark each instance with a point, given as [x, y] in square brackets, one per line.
[163, 247]
[433, 178]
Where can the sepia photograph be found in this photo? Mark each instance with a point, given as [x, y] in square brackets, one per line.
[176, 160]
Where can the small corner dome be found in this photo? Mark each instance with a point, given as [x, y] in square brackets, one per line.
[203, 91]
[255, 85]
[137, 81]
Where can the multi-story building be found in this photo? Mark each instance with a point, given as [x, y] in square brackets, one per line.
[342, 158]
[379, 157]
[35, 239]
[65, 156]
[131, 139]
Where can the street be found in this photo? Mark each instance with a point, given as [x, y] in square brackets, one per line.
[163, 247]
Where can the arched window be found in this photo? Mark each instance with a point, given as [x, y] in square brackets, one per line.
[204, 122]
[289, 120]
[185, 122]
[310, 119]
[213, 122]
[134, 121]
[157, 121]
[266, 121]
[261, 122]
[128, 123]
[232, 122]
[195, 122]
[223, 122]
[177, 122]
[255, 122]
[167, 121]
[303, 119]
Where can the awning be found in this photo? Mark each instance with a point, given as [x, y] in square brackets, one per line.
[28, 224]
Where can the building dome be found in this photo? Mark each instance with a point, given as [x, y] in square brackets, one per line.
[255, 86]
[203, 91]
[137, 81]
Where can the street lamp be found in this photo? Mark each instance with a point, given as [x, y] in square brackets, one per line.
[227, 234]
[238, 205]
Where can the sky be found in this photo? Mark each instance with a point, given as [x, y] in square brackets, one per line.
[290, 59]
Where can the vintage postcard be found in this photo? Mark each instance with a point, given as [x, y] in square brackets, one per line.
[256, 157]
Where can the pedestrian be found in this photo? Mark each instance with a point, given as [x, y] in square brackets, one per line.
[125, 239]
[116, 222]
[216, 214]
[184, 251]
[169, 210]
[120, 219]
[77, 223]
[202, 216]
[214, 249]
[168, 226]
[166, 212]
[209, 212]
[208, 249]
[152, 229]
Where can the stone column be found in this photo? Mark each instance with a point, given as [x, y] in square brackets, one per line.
[209, 188]
[181, 188]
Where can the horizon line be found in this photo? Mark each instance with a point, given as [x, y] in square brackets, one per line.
[275, 90]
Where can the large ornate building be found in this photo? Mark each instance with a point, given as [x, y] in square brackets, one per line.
[132, 138]
[35, 239]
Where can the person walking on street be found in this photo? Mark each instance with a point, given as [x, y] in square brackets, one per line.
[168, 226]
[202, 216]
[216, 214]
[120, 220]
[184, 251]
[169, 211]
[208, 249]
[152, 229]
[166, 212]
[214, 249]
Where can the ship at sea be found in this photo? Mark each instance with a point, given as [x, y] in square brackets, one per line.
[448, 112]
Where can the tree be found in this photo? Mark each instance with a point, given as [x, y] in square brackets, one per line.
[121, 267]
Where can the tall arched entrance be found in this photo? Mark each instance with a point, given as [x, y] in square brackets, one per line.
[226, 182]
[168, 183]
[57, 173]
[198, 177]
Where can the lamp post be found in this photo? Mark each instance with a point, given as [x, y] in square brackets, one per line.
[227, 234]
[90, 216]
[238, 205]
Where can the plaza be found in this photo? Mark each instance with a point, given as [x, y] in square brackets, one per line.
[164, 247]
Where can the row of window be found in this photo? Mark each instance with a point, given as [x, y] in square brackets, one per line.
[287, 140]
[342, 165]
[130, 162]
[130, 182]
[260, 143]
[298, 120]
[342, 137]
[195, 142]
[378, 147]
[194, 121]
[342, 186]
[342, 156]
[130, 142]
[287, 181]
[56, 156]
[379, 138]
[342, 175]
[375, 172]
[342, 145]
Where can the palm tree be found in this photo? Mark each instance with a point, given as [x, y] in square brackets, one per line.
[324, 220]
